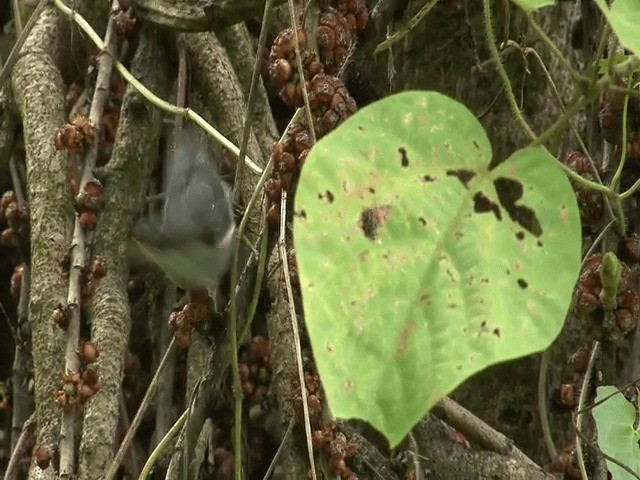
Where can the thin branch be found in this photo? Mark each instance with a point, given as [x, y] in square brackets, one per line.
[595, 350]
[276, 457]
[164, 443]
[303, 82]
[404, 30]
[142, 409]
[22, 445]
[13, 55]
[253, 92]
[294, 325]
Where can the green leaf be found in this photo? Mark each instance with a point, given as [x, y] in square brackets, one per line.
[624, 18]
[616, 435]
[530, 5]
[420, 265]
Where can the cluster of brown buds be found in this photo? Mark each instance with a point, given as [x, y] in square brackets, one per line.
[339, 23]
[590, 202]
[333, 443]
[89, 203]
[78, 387]
[183, 322]
[74, 135]
[16, 217]
[125, 22]
[283, 68]
[255, 369]
[601, 324]
[565, 397]
[330, 105]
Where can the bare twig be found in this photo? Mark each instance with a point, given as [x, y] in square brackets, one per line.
[15, 51]
[294, 325]
[404, 30]
[595, 350]
[79, 254]
[276, 457]
[22, 445]
[253, 92]
[303, 82]
[144, 405]
[478, 431]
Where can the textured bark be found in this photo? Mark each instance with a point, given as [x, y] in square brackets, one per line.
[134, 155]
[39, 95]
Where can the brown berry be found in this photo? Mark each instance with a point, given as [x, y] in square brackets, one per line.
[88, 220]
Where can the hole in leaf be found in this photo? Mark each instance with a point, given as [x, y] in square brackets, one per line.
[372, 190]
[520, 235]
[482, 204]
[463, 175]
[422, 221]
[496, 332]
[404, 160]
[509, 192]
[371, 219]
[522, 283]
[428, 178]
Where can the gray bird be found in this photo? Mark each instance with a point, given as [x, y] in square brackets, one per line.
[191, 241]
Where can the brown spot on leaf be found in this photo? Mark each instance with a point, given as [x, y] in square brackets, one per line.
[463, 175]
[482, 204]
[328, 195]
[348, 385]
[496, 332]
[405, 337]
[301, 214]
[428, 178]
[372, 218]
[509, 192]
[422, 221]
[404, 159]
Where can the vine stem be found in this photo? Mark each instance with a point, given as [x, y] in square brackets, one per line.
[495, 55]
[164, 443]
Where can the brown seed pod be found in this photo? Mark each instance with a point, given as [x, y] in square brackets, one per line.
[89, 376]
[280, 72]
[273, 215]
[61, 316]
[98, 267]
[88, 220]
[43, 457]
[92, 197]
[16, 281]
[88, 352]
